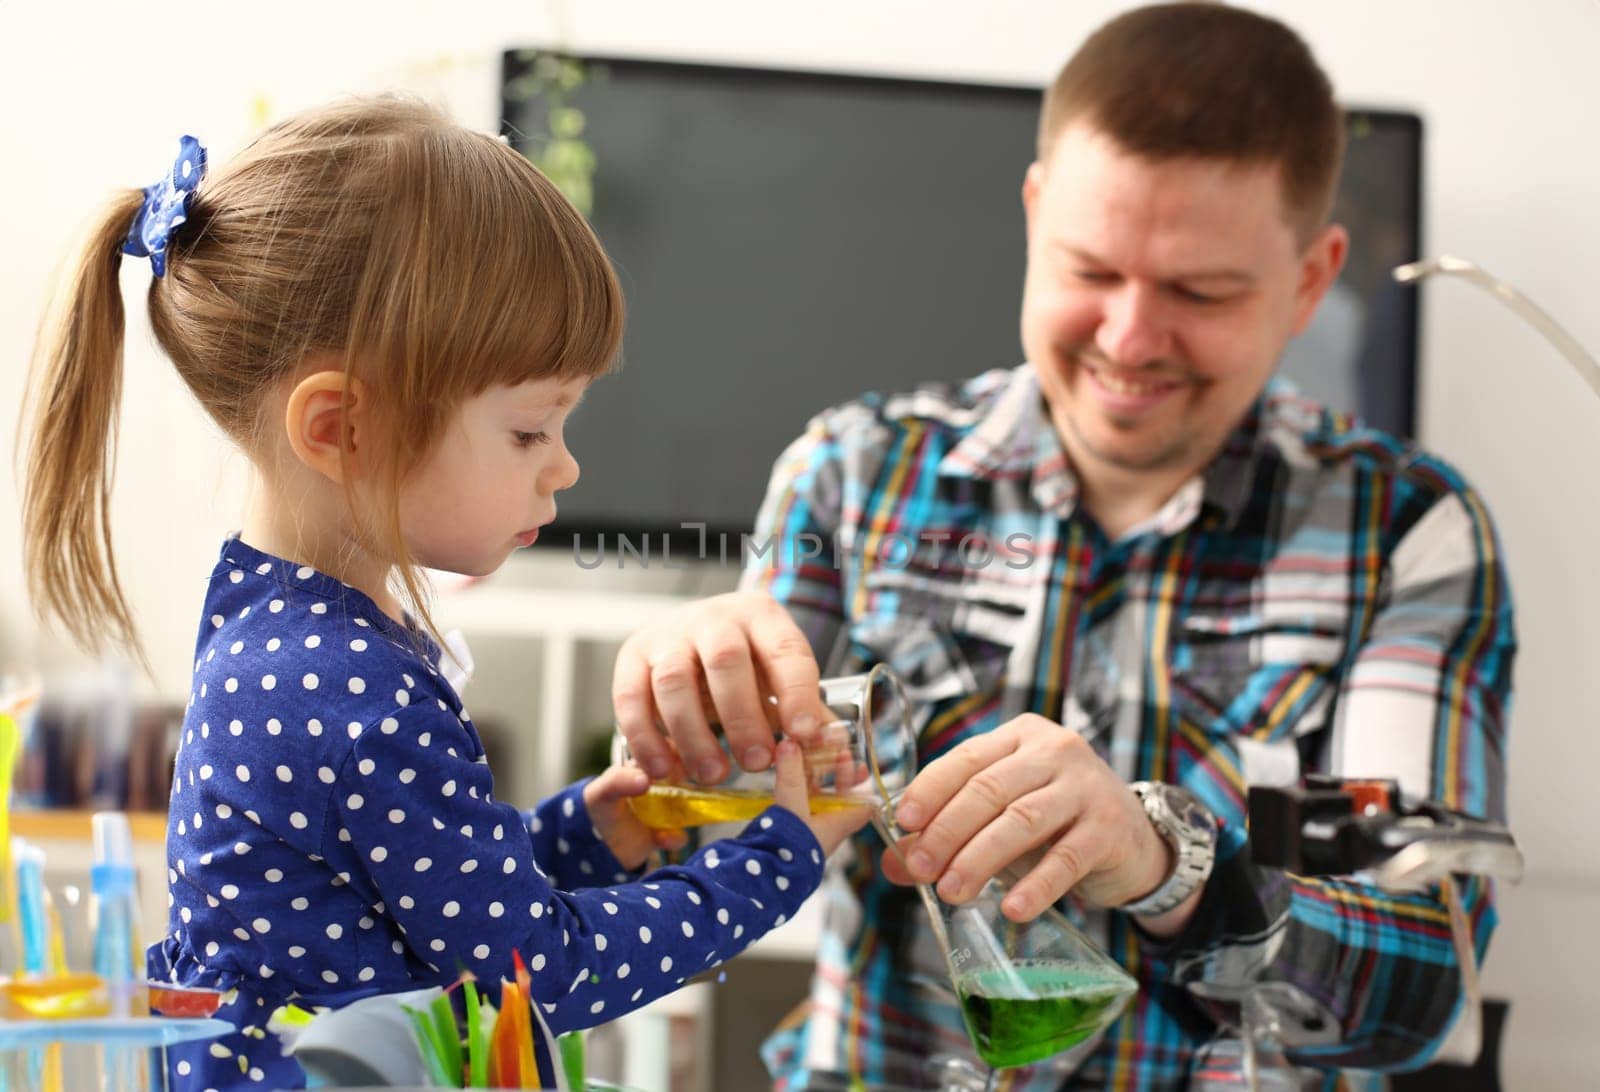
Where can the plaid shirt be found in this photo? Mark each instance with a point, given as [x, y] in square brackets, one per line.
[1323, 598]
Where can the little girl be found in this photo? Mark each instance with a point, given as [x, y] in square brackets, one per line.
[393, 317]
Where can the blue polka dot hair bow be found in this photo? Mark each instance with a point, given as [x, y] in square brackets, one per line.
[166, 205]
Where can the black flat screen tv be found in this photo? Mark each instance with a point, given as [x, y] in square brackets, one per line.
[787, 240]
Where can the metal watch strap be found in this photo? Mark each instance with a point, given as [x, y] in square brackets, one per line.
[1194, 845]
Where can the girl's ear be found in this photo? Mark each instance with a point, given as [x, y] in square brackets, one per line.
[325, 408]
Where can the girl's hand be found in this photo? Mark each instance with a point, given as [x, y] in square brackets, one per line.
[631, 841]
[792, 792]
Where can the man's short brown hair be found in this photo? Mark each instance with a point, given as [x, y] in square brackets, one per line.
[1202, 79]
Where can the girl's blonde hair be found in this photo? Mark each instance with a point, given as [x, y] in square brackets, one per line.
[436, 261]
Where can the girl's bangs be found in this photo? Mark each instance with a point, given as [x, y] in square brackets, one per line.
[539, 297]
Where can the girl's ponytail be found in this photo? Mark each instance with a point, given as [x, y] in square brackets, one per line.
[75, 390]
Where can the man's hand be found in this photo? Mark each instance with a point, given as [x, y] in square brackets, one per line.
[1030, 789]
[716, 661]
[630, 841]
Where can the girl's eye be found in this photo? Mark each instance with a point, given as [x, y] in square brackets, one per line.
[528, 439]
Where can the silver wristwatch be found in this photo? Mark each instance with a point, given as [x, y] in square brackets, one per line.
[1190, 830]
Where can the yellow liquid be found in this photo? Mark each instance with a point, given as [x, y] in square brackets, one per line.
[668, 807]
[63, 997]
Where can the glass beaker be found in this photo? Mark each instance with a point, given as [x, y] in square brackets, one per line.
[1029, 990]
[857, 759]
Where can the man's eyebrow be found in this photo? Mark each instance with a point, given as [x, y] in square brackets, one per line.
[1077, 253]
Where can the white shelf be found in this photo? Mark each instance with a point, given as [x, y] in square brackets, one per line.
[560, 619]
[495, 610]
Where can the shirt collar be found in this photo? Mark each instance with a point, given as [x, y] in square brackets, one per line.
[1001, 442]
[1015, 438]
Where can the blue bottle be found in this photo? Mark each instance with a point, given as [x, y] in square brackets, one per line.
[114, 910]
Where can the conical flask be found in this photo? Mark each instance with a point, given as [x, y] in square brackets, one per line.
[1028, 990]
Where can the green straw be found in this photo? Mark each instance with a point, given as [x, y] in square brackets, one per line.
[429, 1048]
[448, 1038]
[571, 1044]
[477, 1038]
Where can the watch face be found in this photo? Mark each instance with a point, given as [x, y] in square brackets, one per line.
[1190, 812]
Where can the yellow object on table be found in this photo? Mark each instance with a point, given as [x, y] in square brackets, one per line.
[58, 997]
[9, 742]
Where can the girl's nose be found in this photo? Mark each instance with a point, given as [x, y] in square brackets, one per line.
[562, 472]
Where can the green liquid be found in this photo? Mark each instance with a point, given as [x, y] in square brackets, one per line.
[1033, 1010]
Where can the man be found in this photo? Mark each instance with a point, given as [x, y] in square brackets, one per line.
[1193, 583]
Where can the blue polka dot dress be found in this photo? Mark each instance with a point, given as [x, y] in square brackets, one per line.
[333, 833]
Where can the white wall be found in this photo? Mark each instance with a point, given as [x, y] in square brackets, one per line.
[1513, 165]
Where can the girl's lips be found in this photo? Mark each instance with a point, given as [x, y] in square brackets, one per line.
[528, 538]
